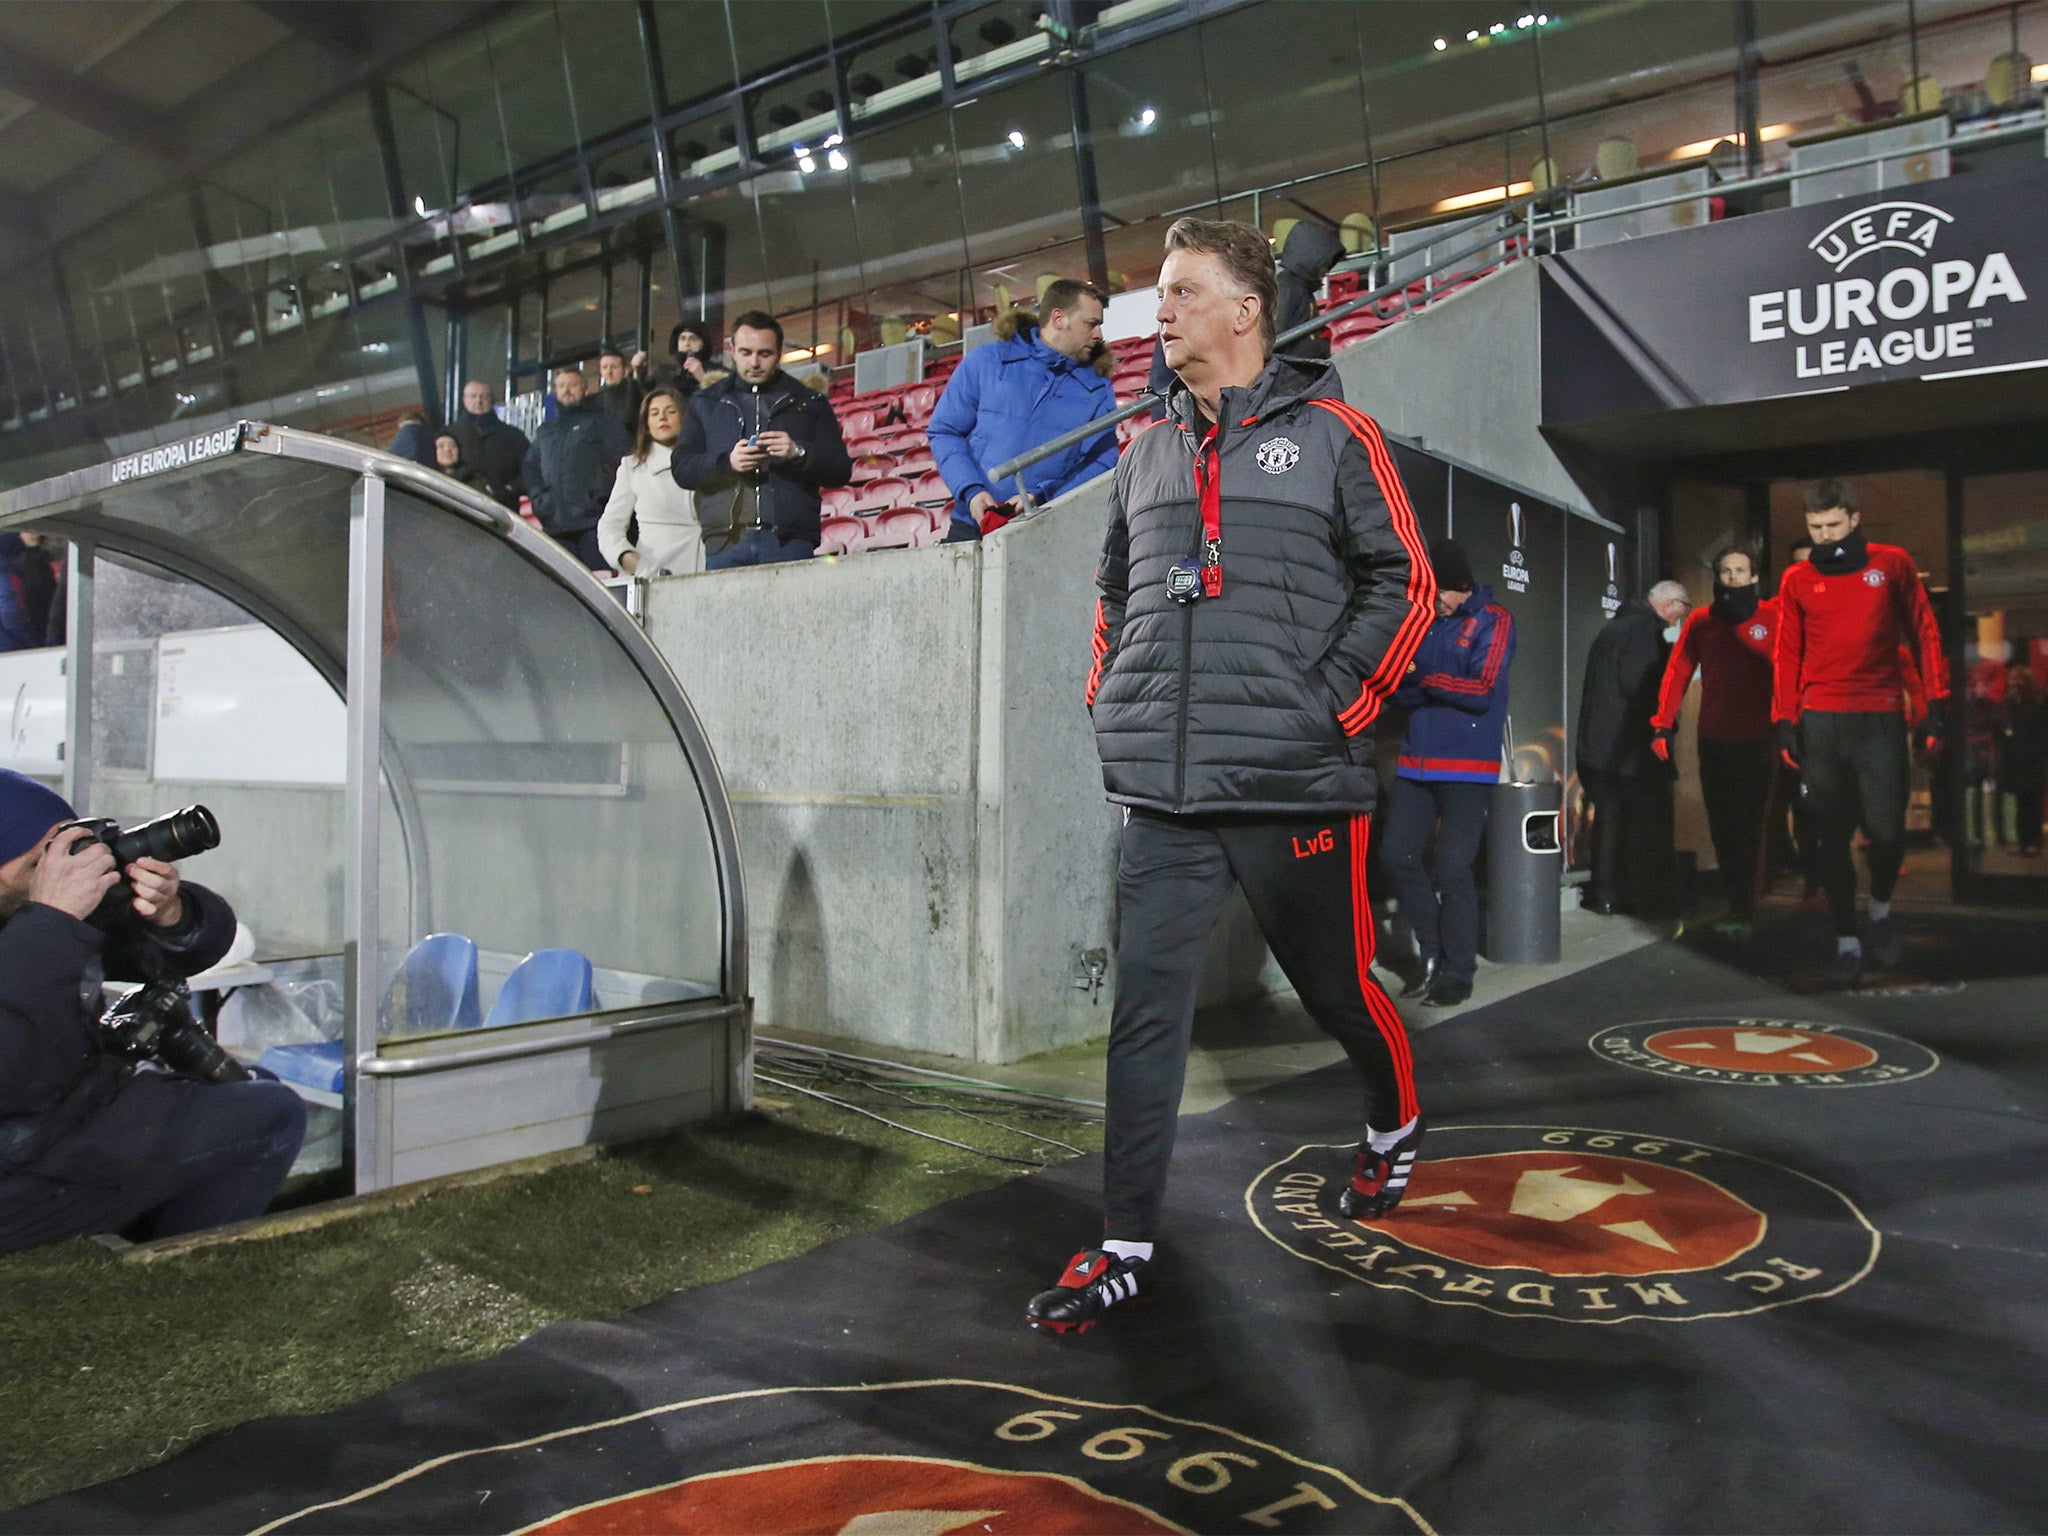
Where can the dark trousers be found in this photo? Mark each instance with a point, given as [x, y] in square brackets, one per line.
[222, 1152]
[1857, 774]
[2027, 795]
[1441, 904]
[583, 545]
[1304, 879]
[1631, 840]
[760, 546]
[1735, 782]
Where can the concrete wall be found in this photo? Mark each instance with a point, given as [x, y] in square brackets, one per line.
[1462, 380]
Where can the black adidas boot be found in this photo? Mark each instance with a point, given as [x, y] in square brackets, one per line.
[1380, 1179]
[1094, 1282]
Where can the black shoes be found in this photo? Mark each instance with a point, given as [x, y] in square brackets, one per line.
[1446, 993]
[1424, 980]
[1094, 1282]
[1379, 1179]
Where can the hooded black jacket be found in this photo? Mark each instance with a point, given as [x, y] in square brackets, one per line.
[572, 466]
[784, 495]
[496, 450]
[1310, 252]
[1260, 699]
[1623, 671]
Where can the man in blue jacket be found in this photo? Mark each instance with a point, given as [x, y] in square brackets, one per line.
[1034, 382]
[1457, 695]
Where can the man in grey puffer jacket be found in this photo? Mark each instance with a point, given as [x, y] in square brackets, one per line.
[1264, 588]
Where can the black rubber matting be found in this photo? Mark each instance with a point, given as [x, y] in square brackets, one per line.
[1686, 1253]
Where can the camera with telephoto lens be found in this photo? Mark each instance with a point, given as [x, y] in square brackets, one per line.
[155, 1022]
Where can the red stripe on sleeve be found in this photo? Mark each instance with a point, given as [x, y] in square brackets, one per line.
[1421, 589]
[1100, 643]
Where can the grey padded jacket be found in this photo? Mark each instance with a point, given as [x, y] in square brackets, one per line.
[1259, 698]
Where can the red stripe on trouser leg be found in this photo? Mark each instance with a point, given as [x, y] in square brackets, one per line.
[1377, 1003]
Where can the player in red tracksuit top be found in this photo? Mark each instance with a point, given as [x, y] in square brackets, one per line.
[1836, 698]
[1729, 644]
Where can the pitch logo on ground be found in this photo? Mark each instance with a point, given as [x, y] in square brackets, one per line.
[1764, 1053]
[1578, 1225]
[912, 1458]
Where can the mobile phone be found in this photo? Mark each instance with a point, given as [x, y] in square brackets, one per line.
[754, 441]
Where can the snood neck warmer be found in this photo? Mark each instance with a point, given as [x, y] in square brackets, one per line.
[1842, 557]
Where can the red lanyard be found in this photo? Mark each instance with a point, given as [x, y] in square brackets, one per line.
[1208, 487]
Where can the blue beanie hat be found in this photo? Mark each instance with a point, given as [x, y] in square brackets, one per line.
[27, 811]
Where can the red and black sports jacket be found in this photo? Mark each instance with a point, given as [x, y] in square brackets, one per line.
[1839, 637]
[1734, 664]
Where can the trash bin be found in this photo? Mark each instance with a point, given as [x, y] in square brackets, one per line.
[1525, 865]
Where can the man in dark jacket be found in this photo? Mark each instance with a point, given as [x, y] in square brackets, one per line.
[572, 466]
[1457, 698]
[757, 448]
[87, 1143]
[1628, 784]
[1263, 588]
[1305, 260]
[413, 440]
[619, 389]
[491, 446]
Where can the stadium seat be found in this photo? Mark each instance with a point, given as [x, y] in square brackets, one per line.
[918, 461]
[1345, 286]
[881, 494]
[860, 447]
[547, 984]
[1136, 426]
[434, 990]
[919, 403]
[872, 466]
[837, 502]
[316, 1065]
[841, 535]
[929, 489]
[858, 423]
[902, 528]
[903, 441]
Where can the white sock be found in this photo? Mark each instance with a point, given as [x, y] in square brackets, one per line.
[1136, 1253]
[1848, 944]
[1385, 1141]
[1880, 910]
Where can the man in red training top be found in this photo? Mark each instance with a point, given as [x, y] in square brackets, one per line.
[1838, 684]
[1729, 644]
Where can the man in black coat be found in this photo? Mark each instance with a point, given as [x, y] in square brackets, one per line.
[572, 466]
[1263, 589]
[1628, 784]
[492, 446]
[87, 1142]
[1305, 260]
[757, 448]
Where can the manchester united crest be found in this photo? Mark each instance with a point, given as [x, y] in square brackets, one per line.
[1577, 1225]
[911, 1458]
[1765, 1053]
[1277, 455]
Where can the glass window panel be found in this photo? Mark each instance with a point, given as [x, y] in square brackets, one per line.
[575, 322]
[766, 33]
[906, 203]
[1595, 53]
[696, 50]
[808, 224]
[722, 241]
[428, 138]
[892, 75]
[793, 112]
[1017, 180]
[995, 37]
[2005, 576]
[456, 79]
[1284, 79]
[526, 60]
[601, 42]
[622, 324]
[1421, 97]
[1858, 84]
[530, 739]
[1151, 127]
[486, 346]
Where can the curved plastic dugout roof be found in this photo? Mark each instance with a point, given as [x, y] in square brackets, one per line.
[279, 521]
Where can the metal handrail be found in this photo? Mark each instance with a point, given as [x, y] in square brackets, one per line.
[1506, 213]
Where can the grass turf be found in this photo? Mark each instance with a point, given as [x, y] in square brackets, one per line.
[107, 1367]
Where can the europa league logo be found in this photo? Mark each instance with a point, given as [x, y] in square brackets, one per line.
[1613, 574]
[1515, 523]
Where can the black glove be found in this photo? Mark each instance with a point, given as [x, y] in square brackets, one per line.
[1790, 747]
[1660, 744]
[1933, 732]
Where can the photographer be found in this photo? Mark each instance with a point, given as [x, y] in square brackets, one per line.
[87, 1142]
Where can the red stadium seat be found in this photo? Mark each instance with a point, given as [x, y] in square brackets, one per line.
[916, 463]
[901, 528]
[883, 494]
[930, 489]
[919, 402]
[841, 535]
[872, 466]
[858, 422]
[837, 502]
[901, 443]
[1135, 426]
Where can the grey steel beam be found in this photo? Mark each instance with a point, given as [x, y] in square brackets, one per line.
[107, 113]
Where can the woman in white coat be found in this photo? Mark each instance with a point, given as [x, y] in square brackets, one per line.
[671, 541]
